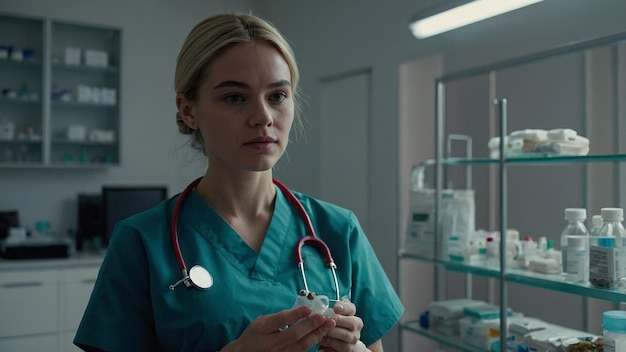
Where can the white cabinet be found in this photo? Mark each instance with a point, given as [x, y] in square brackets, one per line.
[29, 305]
[59, 93]
[42, 308]
[76, 290]
[36, 343]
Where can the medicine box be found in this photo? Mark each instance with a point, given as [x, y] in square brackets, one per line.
[76, 133]
[485, 311]
[7, 130]
[96, 58]
[72, 56]
[479, 332]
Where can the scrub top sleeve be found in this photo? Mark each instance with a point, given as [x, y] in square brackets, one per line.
[377, 302]
[119, 315]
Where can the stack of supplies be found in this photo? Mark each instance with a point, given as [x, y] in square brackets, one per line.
[559, 141]
[518, 328]
[481, 325]
[560, 339]
[444, 315]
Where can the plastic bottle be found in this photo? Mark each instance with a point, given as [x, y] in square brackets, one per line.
[492, 257]
[596, 224]
[614, 330]
[529, 251]
[607, 254]
[575, 246]
[513, 248]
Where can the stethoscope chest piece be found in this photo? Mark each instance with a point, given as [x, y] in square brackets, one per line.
[200, 277]
[197, 277]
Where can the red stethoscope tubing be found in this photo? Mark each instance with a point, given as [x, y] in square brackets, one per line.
[310, 239]
[174, 230]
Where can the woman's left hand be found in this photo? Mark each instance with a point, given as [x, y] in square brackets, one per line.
[346, 335]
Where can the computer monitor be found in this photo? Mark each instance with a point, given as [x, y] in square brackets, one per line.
[90, 224]
[120, 202]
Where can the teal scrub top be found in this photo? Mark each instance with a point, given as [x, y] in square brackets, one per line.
[132, 308]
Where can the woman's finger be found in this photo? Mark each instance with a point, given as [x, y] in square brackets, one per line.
[345, 308]
[274, 322]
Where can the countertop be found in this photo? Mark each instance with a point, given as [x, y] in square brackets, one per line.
[76, 260]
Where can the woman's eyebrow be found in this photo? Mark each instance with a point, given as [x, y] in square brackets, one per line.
[281, 83]
[237, 84]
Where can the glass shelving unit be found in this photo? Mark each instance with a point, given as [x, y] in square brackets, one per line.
[54, 87]
[498, 170]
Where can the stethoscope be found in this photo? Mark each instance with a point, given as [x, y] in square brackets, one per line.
[200, 278]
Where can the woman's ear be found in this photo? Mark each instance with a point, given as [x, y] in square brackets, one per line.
[185, 108]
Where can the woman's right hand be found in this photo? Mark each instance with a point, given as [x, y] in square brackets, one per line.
[266, 332]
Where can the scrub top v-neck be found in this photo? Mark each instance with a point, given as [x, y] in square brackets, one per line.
[133, 309]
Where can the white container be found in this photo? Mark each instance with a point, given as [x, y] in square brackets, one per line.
[596, 224]
[492, 255]
[513, 248]
[575, 246]
[614, 330]
[72, 56]
[96, 58]
[7, 130]
[607, 255]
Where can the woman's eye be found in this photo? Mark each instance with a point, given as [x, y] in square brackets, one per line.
[234, 99]
[278, 97]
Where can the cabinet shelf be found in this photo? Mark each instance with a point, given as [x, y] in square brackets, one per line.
[19, 101]
[84, 143]
[452, 341]
[536, 159]
[554, 282]
[84, 68]
[20, 63]
[74, 104]
[24, 141]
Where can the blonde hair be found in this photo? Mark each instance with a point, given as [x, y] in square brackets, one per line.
[210, 38]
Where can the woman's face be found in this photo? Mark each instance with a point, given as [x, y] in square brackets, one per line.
[244, 108]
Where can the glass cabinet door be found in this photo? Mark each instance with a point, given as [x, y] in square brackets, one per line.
[84, 94]
[21, 77]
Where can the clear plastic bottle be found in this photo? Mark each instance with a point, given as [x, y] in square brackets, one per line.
[607, 255]
[614, 330]
[596, 225]
[575, 246]
[492, 255]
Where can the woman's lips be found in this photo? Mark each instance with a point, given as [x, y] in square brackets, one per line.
[261, 143]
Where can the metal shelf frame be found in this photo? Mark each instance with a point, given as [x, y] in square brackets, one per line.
[503, 274]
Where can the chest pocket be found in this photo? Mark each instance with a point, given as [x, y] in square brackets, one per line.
[319, 275]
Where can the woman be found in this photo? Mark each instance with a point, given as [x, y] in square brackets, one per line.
[236, 82]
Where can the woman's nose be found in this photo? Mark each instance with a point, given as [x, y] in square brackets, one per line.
[261, 114]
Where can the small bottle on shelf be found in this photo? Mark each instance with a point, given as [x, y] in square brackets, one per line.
[529, 251]
[607, 254]
[614, 330]
[492, 255]
[596, 224]
[574, 246]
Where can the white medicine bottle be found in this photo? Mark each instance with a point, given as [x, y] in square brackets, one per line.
[596, 225]
[607, 255]
[575, 246]
[614, 330]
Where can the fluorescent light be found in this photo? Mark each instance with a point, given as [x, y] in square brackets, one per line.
[465, 14]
